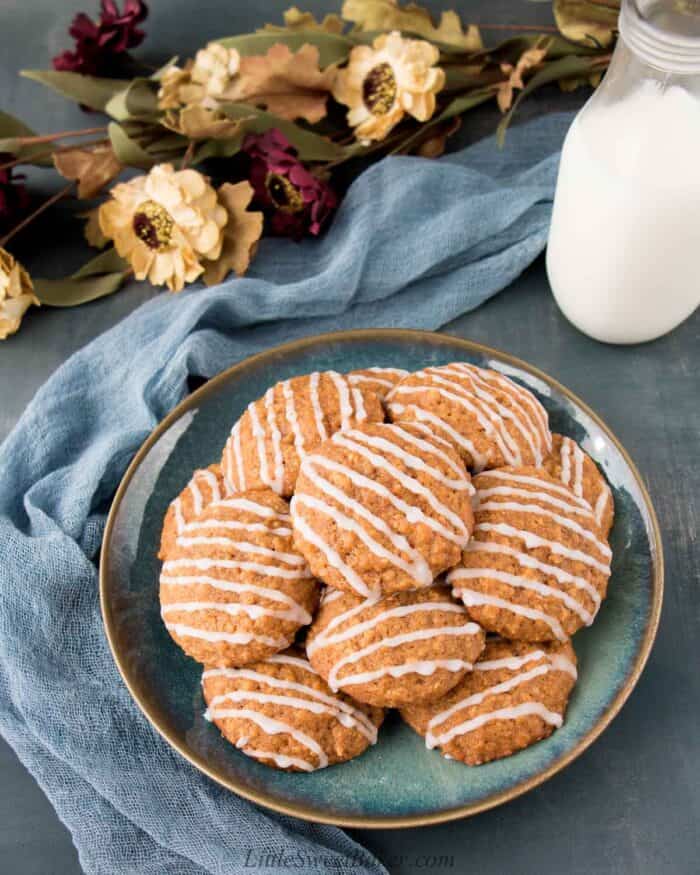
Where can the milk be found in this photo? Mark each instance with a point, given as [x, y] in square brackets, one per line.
[623, 257]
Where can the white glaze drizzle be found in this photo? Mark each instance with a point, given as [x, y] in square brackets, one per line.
[425, 668]
[474, 599]
[204, 564]
[316, 405]
[344, 401]
[428, 419]
[255, 612]
[528, 480]
[523, 583]
[238, 454]
[228, 637]
[513, 491]
[244, 546]
[276, 439]
[290, 412]
[235, 525]
[523, 710]
[261, 510]
[359, 403]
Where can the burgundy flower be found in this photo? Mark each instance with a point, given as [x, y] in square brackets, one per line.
[101, 47]
[14, 198]
[295, 201]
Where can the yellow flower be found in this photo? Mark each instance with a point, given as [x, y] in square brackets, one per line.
[16, 294]
[384, 82]
[164, 224]
[203, 80]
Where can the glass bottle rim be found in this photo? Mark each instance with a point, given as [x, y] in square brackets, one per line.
[660, 47]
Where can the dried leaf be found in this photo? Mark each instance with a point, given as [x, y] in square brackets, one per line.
[333, 48]
[241, 233]
[295, 19]
[197, 122]
[529, 60]
[388, 15]
[92, 168]
[591, 22]
[92, 231]
[434, 146]
[288, 84]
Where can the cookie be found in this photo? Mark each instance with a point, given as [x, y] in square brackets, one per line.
[516, 696]
[491, 420]
[206, 485]
[377, 380]
[291, 420]
[567, 462]
[382, 508]
[280, 712]
[404, 648]
[538, 565]
[233, 589]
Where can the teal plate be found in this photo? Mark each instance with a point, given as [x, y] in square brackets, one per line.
[397, 782]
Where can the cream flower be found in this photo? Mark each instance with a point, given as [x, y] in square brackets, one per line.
[164, 224]
[16, 294]
[203, 80]
[384, 82]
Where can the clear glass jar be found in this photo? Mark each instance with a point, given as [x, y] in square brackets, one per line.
[623, 256]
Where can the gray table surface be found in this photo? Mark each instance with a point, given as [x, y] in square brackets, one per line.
[630, 804]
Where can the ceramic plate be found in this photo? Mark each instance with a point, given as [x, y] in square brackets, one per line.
[397, 782]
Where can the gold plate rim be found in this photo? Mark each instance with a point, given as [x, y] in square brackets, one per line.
[312, 814]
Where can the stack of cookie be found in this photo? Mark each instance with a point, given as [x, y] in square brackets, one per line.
[391, 579]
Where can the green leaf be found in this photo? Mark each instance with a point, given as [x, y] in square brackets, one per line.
[309, 145]
[88, 90]
[573, 65]
[139, 100]
[127, 150]
[333, 48]
[101, 276]
[11, 127]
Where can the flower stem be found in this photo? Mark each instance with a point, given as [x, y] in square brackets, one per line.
[37, 212]
[60, 135]
[187, 157]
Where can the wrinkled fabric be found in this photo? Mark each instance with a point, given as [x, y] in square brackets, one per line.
[415, 243]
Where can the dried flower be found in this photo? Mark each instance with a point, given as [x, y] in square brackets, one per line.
[165, 223]
[527, 61]
[16, 294]
[384, 82]
[101, 47]
[295, 201]
[241, 234]
[14, 198]
[203, 80]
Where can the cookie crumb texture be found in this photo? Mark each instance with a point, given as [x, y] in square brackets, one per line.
[516, 696]
[405, 648]
[538, 565]
[280, 712]
[567, 462]
[382, 508]
[291, 420]
[206, 485]
[490, 419]
[233, 589]
[378, 380]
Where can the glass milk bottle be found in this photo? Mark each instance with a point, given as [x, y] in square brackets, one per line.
[623, 257]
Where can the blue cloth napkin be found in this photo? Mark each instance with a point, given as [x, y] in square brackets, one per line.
[415, 244]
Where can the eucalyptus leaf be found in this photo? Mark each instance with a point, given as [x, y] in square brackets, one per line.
[309, 145]
[101, 276]
[139, 100]
[333, 48]
[106, 262]
[127, 150]
[455, 107]
[87, 90]
[11, 130]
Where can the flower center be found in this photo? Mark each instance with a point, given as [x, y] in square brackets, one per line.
[285, 196]
[379, 89]
[154, 225]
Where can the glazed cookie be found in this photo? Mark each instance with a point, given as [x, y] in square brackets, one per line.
[233, 589]
[538, 565]
[377, 380]
[206, 485]
[290, 421]
[404, 648]
[516, 695]
[490, 419]
[280, 712]
[567, 462]
[382, 508]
